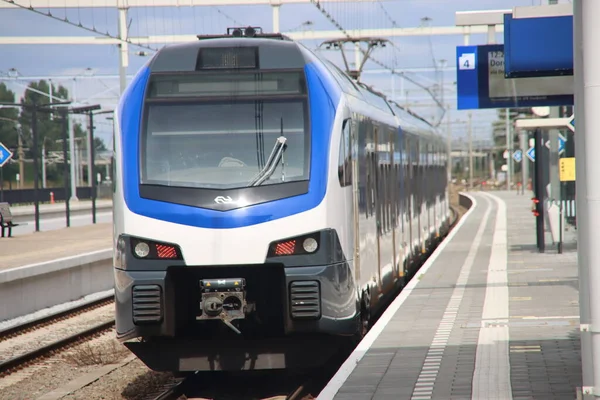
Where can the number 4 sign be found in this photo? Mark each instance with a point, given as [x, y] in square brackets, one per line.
[466, 61]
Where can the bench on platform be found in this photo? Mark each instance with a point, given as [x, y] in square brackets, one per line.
[6, 219]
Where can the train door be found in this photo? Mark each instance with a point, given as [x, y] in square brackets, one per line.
[391, 202]
[401, 182]
[377, 195]
[354, 124]
[418, 192]
[427, 189]
[410, 193]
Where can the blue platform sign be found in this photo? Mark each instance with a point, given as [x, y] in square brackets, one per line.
[531, 154]
[518, 156]
[481, 82]
[561, 143]
[5, 154]
[561, 147]
[537, 47]
[571, 125]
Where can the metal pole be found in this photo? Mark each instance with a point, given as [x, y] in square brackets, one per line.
[539, 190]
[91, 170]
[524, 160]
[123, 49]
[449, 144]
[44, 164]
[276, 17]
[470, 154]
[560, 220]
[2, 184]
[508, 163]
[36, 172]
[553, 159]
[89, 159]
[587, 97]
[21, 158]
[65, 130]
[73, 164]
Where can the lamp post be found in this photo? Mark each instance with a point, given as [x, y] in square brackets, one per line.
[91, 164]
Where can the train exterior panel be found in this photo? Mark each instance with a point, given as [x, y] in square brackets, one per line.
[265, 205]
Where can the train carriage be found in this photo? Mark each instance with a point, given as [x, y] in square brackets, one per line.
[265, 205]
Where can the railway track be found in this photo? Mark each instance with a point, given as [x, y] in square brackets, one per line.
[23, 359]
[264, 387]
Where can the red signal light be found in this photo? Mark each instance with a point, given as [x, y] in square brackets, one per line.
[164, 251]
[285, 248]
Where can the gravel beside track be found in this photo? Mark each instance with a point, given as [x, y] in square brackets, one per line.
[45, 335]
[50, 373]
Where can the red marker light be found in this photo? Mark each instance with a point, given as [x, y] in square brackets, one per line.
[164, 251]
[285, 248]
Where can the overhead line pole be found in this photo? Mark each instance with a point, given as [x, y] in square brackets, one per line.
[470, 154]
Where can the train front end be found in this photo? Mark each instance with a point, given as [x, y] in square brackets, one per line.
[228, 253]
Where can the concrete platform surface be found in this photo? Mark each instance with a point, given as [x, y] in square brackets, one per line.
[487, 317]
[46, 208]
[39, 247]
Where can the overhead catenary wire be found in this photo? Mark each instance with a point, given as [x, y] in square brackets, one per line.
[333, 20]
[78, 25]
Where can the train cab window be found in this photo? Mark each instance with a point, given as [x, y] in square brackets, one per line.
[345, 156]
[217, 130]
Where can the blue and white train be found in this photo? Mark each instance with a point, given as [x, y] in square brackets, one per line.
[266, 205]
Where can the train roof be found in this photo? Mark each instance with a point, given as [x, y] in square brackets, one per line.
[194, 56]
[278, 52]
[409, 121]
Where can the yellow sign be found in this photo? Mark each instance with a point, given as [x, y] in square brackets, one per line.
[566, 169]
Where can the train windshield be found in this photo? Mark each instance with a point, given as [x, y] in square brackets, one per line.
[198, 136]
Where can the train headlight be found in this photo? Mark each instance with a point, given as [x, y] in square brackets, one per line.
[310, 245]
[148, 249]
[305, 244]
[142, 249]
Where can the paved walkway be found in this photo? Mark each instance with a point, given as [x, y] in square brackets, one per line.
[489, 318]
[51, 245]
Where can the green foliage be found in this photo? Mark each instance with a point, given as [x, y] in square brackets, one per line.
[49, 127]
[8, 118]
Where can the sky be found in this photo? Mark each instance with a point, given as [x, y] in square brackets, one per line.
[91, 72]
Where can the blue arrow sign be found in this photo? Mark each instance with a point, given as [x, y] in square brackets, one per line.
[571, 125]
[531, 154]
[518, 155]
[561, 143]
[5, 154]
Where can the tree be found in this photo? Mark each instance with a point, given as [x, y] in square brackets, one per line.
[49, 130]
[99, 145]
[8, 118]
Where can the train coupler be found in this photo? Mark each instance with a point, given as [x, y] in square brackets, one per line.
[223, 299]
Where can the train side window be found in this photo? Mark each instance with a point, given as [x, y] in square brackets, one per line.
[345, 157]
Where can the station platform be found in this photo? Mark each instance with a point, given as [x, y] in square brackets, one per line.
[28, 211]
[487, 317]
[45, 246]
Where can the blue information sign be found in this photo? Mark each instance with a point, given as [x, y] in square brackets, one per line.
[518, 155]
[5, 154]
[482, 84]
[531, 154]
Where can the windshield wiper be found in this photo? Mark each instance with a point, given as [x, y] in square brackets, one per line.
[271, 163]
